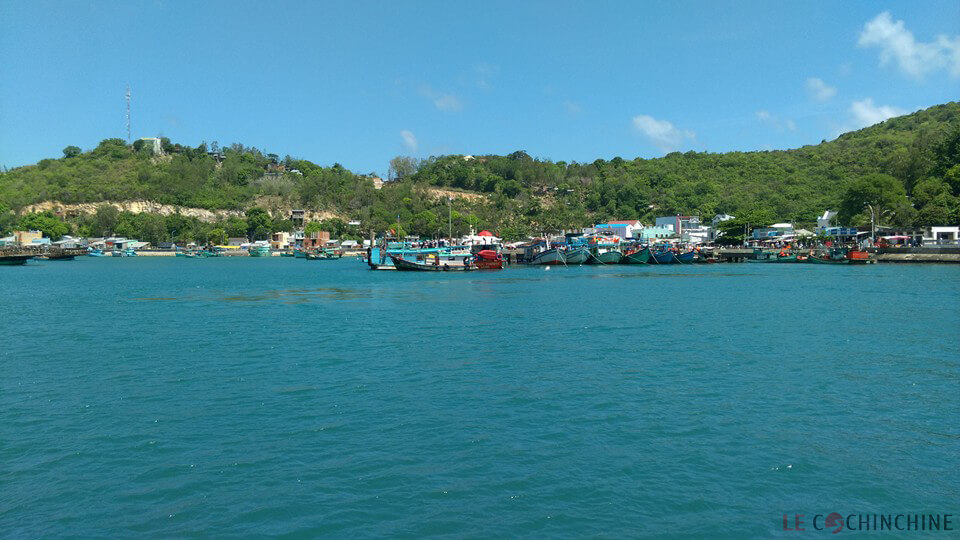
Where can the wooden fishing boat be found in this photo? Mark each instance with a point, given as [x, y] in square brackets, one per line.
[637, 257]
[826, 260]
[577, 255]
[404, 265]
[664, 257]
[774, 258]
[605, 256]
[552, 256]
[687, 258]
[488, 259]
[259, 251]
[14, 260]
[855, 256]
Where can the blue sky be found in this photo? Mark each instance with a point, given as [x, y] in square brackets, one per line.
[361, 82]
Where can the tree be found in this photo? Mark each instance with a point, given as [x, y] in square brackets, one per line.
[105, 220]
[313, 227]
[46, 223]
[71, 152]
[235, 227]
[734, 232]
[153, 229]
[401, 167]
[946, 154]
[217, 235]
[259, 223]
[879, 194]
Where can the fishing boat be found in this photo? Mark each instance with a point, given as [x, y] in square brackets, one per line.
[856, 256]
[286, 254]
[664, 257]
[488, 259]
[641, 256]
[834, 256]
[826, 260]
[95, 253]
[14, 260]
[323, 255]
[605, 250]
[259, 251]
[300, 254]
[552, 256]
[768, 257]
[438, 265]
[59, 257]
[687, 258]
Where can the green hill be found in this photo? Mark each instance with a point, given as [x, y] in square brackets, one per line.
[521, 194]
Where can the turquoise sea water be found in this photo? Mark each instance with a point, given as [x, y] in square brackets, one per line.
[249, 397]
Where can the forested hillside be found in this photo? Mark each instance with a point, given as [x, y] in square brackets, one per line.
[911, 161]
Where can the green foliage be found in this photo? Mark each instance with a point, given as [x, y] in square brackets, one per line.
[71, 152]
[522, 194]
[733, 232]
[105, 220]
[46, 222]
[259, 224]
[880, 194]
[313, 227]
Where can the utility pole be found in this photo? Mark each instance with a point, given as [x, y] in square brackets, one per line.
[450, 218]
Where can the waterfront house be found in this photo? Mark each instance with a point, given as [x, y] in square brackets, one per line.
[297, 217]
[657, 234]
[26, 238]
[841, 234]
[315, 240]
[942, 236]
[279, 240]
[69, 242]
[624, 229]
[8, 241]
[777, 231]
[237, 241]
[825, 221]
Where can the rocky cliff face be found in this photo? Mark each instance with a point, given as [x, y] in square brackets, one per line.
[148, 207]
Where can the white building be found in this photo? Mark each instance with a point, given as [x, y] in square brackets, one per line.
[825, 221]
[623, 229]
[942, 235]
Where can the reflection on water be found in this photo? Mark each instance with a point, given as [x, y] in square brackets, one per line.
[290, 296]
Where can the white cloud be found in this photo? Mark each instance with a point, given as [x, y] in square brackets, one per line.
[780, 125]
[572, 107]
[819, 90]
[915, 58]
[447, 102]
[865, 113]
[443, 102]
[483, 74]
[409, 140]
[662, 133]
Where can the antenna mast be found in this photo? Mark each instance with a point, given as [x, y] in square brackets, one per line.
[128, 114]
